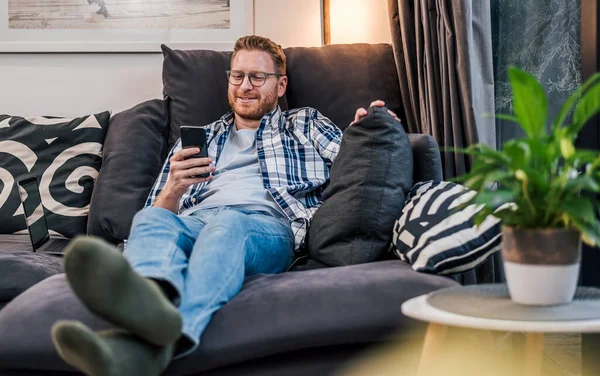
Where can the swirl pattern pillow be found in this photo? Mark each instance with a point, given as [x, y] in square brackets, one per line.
[64, 154]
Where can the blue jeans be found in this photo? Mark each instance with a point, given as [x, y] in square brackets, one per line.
[206, 256]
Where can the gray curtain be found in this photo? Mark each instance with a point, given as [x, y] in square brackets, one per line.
[443, 51]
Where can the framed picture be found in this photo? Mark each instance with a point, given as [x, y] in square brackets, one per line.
[122, 25]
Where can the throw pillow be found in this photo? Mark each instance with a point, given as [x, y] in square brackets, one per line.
[369, 179]
[435, 237]
[134, 151]
[64, 155]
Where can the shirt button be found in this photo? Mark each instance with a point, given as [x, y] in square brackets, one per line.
[263, 164]
[193, 200]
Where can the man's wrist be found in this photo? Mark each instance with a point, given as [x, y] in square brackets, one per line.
[168, 194]
[168, 199]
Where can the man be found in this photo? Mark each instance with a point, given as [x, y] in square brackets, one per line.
[191, 247]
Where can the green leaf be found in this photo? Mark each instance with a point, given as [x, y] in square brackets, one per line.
[482, 215]
[583, 157]
[529, 102]
[583, 183]
[566, 107]
[590, 232]
[494, 199]
[567, 148]
[586, 108]
[519, 153]
[580, 208]
[504, 117]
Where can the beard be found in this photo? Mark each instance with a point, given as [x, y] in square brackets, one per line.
[256, 109]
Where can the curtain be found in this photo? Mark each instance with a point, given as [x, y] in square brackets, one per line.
[443, 52]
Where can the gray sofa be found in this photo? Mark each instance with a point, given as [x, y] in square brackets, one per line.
[310, 320]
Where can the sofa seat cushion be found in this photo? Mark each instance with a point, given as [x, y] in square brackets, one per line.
[272, 314]
[21, 268]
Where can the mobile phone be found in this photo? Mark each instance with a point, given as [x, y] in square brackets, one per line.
[195, 137]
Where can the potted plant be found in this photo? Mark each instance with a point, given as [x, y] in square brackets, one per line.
[543, 190]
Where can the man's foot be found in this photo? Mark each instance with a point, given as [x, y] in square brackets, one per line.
[107, 285]
[108, 353]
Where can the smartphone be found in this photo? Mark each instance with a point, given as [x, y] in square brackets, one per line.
[195, 137]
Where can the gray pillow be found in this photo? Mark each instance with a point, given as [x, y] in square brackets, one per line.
[339, 78]
[370, 178]
[134, 152]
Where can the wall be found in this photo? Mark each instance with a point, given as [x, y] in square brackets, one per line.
[354, 21]
[76, 84]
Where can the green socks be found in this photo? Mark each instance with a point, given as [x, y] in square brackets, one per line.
[107, 285]
[103, 280]
[108, 353]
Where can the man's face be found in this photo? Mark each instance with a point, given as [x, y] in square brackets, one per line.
[253, 102]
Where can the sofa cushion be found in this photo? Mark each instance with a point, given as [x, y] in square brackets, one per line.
[427, 162]
[196, 83]
[65, 157]
[21, 268]
[338, 79]
[434, 236]
[369, 179]
[272, 314]
[134, 152]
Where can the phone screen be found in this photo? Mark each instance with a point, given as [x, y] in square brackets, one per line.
[34, 211]
[194, 137]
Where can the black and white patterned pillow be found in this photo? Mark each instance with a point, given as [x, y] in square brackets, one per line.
[434, 237]
[64, 154]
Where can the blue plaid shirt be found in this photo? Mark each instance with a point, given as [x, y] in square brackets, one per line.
[295, 150]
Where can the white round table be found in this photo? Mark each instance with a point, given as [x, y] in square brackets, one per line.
[439, 320]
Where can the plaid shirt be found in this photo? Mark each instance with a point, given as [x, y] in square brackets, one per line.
[295, 150]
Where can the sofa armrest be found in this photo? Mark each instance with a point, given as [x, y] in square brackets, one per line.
[427, 162]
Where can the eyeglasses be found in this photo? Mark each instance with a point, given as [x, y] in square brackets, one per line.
[257, 79]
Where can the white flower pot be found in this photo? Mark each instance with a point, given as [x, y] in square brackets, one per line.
[541, 265]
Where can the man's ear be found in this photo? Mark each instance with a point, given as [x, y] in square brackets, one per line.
[282, 86]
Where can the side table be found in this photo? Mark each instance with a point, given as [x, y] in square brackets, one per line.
[582, 316]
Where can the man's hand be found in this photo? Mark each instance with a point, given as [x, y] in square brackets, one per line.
[361, 112]
[181, 177]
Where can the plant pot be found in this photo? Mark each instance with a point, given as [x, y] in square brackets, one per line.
[541, 265]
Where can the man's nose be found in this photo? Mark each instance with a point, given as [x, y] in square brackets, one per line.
[246, 85]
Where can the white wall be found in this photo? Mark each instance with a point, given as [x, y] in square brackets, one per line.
[354, 21]
[77, 84]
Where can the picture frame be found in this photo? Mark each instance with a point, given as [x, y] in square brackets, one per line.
[78, 37]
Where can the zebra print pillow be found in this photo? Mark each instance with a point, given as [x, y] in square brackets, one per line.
[64, 154]
[435, 238]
